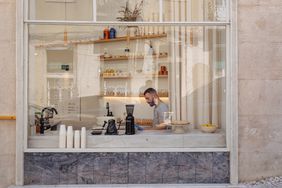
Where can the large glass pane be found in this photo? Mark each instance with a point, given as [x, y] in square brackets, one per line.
[75, 10]
[194, 10]
[202, 62]
[83, 70]
[128, 10]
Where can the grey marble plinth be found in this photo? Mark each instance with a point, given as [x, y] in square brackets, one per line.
[126, 168]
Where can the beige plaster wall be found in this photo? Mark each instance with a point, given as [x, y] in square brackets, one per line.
[8, 91]
[260, 88]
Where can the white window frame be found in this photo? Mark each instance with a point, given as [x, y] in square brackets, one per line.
[231, 83]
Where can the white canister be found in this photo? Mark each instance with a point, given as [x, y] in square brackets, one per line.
[83, 137]
[62, 136]
[76, 139]
[69, 137]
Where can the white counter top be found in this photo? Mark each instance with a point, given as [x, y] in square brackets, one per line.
[143, 139]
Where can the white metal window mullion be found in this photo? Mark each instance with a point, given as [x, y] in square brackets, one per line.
[161, 19]
[232, 92]
[183, 65]
[25, 70]
[177, 36]
[173, 81]
[228, 78]
[94, 11]
[227, 9]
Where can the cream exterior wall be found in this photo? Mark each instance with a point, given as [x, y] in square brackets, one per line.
[260, 89]
[8, 91]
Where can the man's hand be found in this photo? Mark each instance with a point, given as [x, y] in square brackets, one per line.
[161, 126]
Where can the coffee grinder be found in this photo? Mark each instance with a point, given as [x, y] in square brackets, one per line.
[129, 121]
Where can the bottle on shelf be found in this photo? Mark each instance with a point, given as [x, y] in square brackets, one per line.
[106, 33]
[112, 33]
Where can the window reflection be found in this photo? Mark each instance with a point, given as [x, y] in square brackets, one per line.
[75, 10]
[185, 64]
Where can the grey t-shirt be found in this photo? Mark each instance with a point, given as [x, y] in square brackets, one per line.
[159, 113]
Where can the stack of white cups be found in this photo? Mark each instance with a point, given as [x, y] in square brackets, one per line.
[83, 137]
[72, 139]
[76, 139]
[62, 136]
[69, 137]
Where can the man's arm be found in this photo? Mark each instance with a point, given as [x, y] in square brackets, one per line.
[162, 108]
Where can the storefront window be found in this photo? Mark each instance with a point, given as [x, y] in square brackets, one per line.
[61, 10]
[195, 10]
[90, 72]
[136, 10]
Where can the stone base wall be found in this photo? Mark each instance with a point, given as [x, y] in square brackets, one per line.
[125, 168]
[8, 91]
[260, 88]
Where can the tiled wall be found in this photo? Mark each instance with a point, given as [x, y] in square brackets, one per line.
[124, 168]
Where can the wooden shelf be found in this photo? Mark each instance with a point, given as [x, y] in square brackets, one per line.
[125, 38]
[149, 75]
[129, 96]
[91, 41]
[135, 76]
[116, 77]
[59, 75]
[120, 57]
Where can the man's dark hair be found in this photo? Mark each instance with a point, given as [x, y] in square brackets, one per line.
[150, 90]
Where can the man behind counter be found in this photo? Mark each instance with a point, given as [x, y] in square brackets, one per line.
[152, 98]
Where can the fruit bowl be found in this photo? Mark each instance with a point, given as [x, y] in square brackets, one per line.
[208, 128]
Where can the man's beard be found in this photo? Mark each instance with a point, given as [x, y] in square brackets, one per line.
[152, 103]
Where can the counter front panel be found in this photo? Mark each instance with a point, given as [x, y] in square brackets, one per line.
[126, 168]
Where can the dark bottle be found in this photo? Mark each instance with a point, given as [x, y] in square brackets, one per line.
[112, 33]
[42, 128]
[129, 124]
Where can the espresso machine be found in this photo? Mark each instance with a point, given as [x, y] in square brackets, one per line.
[129, 120]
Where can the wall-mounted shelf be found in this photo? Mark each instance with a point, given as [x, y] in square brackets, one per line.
[91, 41]
[130, 96]
[116, 77]
[135, 76]
[123, 57]
[149, 75]
[59, 75]
[125, 38]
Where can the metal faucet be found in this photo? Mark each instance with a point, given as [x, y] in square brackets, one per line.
[46, 114]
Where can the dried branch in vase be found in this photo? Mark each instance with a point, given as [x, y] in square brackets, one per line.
[128, 15]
